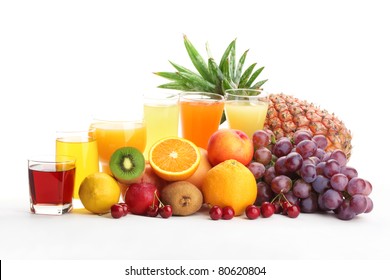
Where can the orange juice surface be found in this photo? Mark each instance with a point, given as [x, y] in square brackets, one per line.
[200, 120]
[111, 136]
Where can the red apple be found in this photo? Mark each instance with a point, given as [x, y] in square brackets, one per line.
[139, 196]
[227, 144]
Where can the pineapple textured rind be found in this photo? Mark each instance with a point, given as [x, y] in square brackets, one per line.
[287, 114]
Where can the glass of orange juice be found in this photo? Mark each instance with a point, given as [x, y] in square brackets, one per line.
[81, 145]
[200, 116]
[246, 109]
[161, 114]
[114, 134]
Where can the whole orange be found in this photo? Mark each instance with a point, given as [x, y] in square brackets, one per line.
[200, 174]
[230, 183]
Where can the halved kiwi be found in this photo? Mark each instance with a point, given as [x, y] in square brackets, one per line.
[127, 164]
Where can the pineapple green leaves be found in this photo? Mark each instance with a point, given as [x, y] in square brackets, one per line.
[210, 76]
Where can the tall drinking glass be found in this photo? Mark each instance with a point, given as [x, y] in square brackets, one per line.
[245, 109]
[161, 114]
[83, 146]
[201, 114]
[112, 135]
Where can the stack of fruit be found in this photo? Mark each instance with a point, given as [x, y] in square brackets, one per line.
[298, 163]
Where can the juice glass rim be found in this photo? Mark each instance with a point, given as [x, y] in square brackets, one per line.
[109, 124]
[133, 121]
[236, 91]
[197, 96]
[75, 134]
[52, 159]
[161, 95]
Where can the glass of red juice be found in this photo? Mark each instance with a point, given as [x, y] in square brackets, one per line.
[51, 180]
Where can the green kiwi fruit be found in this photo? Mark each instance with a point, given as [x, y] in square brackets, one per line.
[127, 164]
[184, 197]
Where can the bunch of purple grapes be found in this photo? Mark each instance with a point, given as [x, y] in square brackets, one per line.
[301, 171]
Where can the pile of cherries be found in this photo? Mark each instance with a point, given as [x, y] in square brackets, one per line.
[299, 175]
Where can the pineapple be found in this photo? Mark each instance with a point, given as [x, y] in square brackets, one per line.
[286, 114]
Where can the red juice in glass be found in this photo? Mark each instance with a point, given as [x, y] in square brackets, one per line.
[51, 186]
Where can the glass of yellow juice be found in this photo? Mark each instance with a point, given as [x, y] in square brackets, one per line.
[83, 147]
[200, 116]
[161, 114]
[112, 135]
[246, 109]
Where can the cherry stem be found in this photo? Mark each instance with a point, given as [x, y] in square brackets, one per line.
[161, 204]
[281, 196]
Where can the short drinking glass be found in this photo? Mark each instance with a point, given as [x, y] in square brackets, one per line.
[51, 180]
[246, 109]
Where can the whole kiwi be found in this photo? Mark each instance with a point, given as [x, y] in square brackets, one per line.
[185, 198]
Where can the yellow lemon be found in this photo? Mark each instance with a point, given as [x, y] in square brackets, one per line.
[98, 192]
[230, 183]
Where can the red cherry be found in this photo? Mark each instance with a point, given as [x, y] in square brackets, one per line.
[215, 212]
[293, 211]
[285, 206]
[125, 208]
[278, 207]
[117, 211]
[165, 211]
[267, 209]
[152, 211]
[252, 212]
[227, 213]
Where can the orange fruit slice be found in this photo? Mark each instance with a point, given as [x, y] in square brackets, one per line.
[174, 158]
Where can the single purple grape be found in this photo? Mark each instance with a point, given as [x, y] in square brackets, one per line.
[339, 182]
[293, 161]
[282, 147]
[281, 184]
[306, 148]
[321, 141]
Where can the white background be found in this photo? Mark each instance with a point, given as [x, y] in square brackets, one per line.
[62, 62]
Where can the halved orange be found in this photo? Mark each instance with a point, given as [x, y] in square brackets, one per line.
[174, 158]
